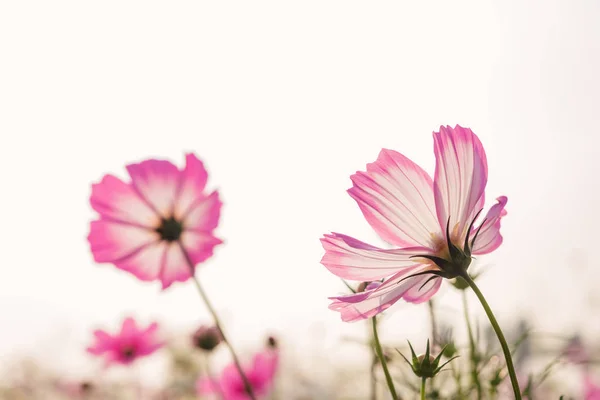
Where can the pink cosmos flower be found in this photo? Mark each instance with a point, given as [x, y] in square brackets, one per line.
[126, 346]
[230, 385]
[158, 224]
[430, 223]
[575, 352]
[590, 389]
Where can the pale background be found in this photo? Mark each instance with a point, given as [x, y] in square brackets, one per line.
[284, 101]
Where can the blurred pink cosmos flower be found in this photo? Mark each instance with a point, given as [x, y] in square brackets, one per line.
[431, 223]
[230, 386]
[575, 352]
[126, 346]
[590, 389]
[157, 225]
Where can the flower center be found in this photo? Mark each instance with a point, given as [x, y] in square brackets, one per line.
[170, 229]
[128, 352]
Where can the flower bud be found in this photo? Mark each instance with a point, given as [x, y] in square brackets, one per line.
[207, 338]
[425, 365]
[272, 342]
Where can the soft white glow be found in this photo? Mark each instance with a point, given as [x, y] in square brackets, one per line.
[283, 101]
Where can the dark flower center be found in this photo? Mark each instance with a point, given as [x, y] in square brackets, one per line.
[170, 229]
[128, 352]
[207, 342]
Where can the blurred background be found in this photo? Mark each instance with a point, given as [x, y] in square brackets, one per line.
[283, 102]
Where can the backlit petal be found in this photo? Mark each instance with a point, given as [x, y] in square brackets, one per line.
[111, 241]
[116, 200]
[396, 197]
[192, 182]
[489, 238]
[156, 181]
[423, 291]
[145, 264]
[350, 258]
[367, 304]
[203, 215]
[460, 178]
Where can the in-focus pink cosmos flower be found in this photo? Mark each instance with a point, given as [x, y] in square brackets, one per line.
[431, 223]
[230, 385]
[126, 346]
[158, 224]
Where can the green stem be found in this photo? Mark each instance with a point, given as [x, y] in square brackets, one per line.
[457, 380]
[472, 348]
[212, 311]
[501, 339]
[388, 377]
[423, 379]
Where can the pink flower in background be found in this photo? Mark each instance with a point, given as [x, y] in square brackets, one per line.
[575, 352]
[159, 223]
[230, 386]
[430, 223]
[126, 346]
[590, 389]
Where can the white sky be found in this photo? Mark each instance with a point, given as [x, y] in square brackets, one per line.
[283, 101]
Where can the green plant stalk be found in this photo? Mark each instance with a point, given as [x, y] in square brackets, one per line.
[212, 311]
[388, 377]
[501, 338]
[423, 379]
[472, 348]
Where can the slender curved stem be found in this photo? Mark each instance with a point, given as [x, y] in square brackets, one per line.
[388, 377]
[211, 309]
[472, 348]
[501, 338]
[423, 388]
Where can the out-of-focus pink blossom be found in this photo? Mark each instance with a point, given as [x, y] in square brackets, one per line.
[74, 389]
[429, 221]
[230, 386]
[159, 223]
[575, 352]
[591, 390]
[126, 346]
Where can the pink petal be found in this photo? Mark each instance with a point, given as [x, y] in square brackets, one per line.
[103, 343]
[111, 241]
[265, 366]
[367, 304]
[199, 246]
[350, 258]
[203, 216]
[156, 181]
[419, 293]
[590, 389]
[460, 178]
[145, 264]
[148, 343]
[175, 268]
[129, 328]
[489, 238]
[114, 199]
[192, 182]
[231, 381]
[396, 197]
[206, 386]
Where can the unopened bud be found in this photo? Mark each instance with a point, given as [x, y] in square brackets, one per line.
[207, 338]
[272, 342]
[425, 365]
